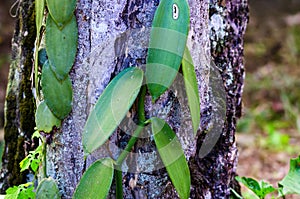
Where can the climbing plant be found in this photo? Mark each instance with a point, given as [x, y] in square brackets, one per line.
[55, 51]
[166, 53]
[56, 45]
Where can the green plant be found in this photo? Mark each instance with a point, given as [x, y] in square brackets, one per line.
[167, 51]
[54, 98]
[290, 184]
[31, 161]
[23, 191]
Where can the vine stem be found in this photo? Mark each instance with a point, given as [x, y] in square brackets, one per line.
[130, 144]
[36, 83]
[45, 159]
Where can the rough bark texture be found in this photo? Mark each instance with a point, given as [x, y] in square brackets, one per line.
[216, 171]
[113, 35]
[19, 105]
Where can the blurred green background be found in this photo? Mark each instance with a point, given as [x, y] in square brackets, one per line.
[269, 131]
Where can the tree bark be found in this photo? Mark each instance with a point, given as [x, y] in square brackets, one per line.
[19, 105]
[113, 35]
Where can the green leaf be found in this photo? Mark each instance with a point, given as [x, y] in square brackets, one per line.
[61, 46]
[172, 155]
[191, 87]
[261, 189]
[39, 14]
[57, 94]
[25, 164]
[166, 46]
[44, 118]
[27, 193]
[61, 10]
[96, 181]
[23, 191]
[36, 134]
[266, 188]
[111, 108]
[47, 188]
[33, 159]
[234, 194]
[291, 182]
[35, 163]
[12, 193]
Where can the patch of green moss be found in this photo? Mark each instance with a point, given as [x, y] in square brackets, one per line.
[20, 105]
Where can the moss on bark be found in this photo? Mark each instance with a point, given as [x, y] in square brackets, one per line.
[19, 105]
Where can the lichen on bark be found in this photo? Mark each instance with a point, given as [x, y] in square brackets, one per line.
[216, 171]
[111, 38]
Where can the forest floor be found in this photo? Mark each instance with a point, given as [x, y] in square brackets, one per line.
[268, 134]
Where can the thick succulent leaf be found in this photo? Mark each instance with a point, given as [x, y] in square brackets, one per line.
[44, 118]
[291, 182]
[61, 46]
[172, 155]
[191, 88]
[47, 189]
[39, 14]
[111, 107]
[57, 94]
[96, 181]
[167, 43]
[61, 10]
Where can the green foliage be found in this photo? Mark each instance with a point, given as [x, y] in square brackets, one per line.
[291, 182]
[61, 11]
[273, 131]
[166, 48]
[39, 11]
[39, 14]
[61, 47]
[172, 155]
[23, 191]
[168, 37]
[32, 160]
[275, 139]
[191, 87]
[96, 181]
[111, 108]
[261, 189]
[289, 185]
[47, 188]
[57, 94]
[44, 118]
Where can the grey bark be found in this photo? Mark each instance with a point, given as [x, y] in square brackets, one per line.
[113, 35]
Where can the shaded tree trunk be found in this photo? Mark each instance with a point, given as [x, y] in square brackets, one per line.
[19, 104]
[113, 35]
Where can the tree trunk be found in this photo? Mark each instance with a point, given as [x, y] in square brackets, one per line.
[19, 106]
[113, 35]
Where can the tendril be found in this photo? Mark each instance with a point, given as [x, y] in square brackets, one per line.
[17, 5]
